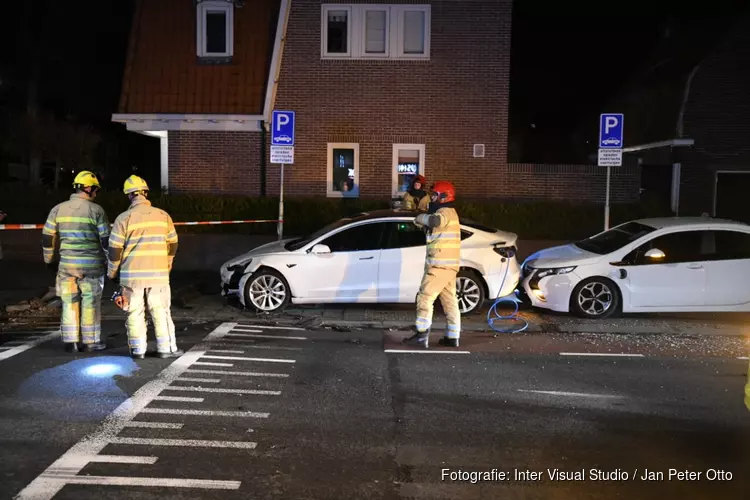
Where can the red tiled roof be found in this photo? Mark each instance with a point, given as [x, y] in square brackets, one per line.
[162, 74]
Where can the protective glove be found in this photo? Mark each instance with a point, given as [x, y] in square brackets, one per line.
[421, 220]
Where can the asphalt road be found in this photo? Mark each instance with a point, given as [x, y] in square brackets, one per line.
[279, 413]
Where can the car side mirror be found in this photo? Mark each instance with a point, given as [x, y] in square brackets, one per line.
[320, 249]
[654, 254]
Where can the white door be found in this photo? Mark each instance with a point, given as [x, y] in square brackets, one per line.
[350, 272]
[401, 262]
[728, 271]
[677, 280]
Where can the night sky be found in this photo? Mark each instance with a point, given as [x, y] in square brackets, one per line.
[566, 59]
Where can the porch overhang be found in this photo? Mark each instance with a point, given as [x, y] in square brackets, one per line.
[151, 123]
[670, 143]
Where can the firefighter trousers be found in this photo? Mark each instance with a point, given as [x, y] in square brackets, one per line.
[81, 308]
[158, 301]
[747, 389]
[438, 282]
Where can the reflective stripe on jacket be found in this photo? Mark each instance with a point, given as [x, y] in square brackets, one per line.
[142, 246]
[444, 241]
[77, 232]
[410, 203]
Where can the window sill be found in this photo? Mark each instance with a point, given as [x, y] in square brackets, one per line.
[375, 59]
[341, 194]
[213, 60]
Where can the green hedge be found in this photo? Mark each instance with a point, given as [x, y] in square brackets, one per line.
[538, 220]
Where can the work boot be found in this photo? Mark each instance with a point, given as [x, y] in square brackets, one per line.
[71, 347]
[175, 354]
[137, 355]
[96, 346]
[448, 342]
[420, 339]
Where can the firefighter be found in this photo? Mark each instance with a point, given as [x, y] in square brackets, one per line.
[441, 266]
[142, 247]
[416, 198]
[747, 389]
[75, 237]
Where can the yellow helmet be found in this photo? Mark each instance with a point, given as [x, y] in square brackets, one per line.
[133, 184]
[86, 179]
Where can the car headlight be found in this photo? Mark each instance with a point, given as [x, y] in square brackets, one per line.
[239, 267]
[541, 273]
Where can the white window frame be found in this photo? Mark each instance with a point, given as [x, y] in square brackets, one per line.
[325, 9]
[330, 192]
[357, 33]
[202, 10]
[394, 173]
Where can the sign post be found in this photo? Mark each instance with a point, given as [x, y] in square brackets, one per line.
[282, 152]
[610, 150]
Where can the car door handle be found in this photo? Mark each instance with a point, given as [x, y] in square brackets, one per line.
[694, 266]
[366, 258]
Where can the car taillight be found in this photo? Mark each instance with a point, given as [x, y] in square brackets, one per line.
[506, 252]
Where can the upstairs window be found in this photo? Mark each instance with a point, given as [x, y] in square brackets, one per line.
[215, 29]
[373, 31]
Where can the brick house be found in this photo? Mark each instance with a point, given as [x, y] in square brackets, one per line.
[687, 118]
[380, 92]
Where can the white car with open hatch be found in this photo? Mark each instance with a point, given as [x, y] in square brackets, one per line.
[373, 257]
[673, 264]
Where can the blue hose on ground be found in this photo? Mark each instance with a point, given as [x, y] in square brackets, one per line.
[510, 317]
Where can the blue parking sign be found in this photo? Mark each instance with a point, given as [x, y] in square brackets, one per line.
[282, 128]
[611, 130]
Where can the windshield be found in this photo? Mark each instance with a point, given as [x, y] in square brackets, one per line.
[615, 238]
[298, 243]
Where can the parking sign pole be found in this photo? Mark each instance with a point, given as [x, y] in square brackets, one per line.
[280, 225]
[606, 201]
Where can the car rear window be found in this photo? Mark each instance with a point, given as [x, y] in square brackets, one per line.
[478, 226]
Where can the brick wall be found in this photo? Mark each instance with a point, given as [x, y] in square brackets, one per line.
[210, 162]
[584, 183]
[717, 116]
[457, 99]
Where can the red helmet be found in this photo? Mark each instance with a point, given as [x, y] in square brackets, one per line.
[445, 191]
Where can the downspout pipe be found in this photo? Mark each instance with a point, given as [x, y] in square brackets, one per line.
[680, 131]
[263, 125]
[685, 96]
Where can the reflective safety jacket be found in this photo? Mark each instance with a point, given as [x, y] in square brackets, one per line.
[443, 238]
[747, 389]
[413, 203]
[76, 233]
[142, 246]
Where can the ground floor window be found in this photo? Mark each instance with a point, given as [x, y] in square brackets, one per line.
[408, 161]
[343, 170]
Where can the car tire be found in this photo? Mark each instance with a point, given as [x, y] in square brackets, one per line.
[262, 291]
[595, 298]
[470, 290]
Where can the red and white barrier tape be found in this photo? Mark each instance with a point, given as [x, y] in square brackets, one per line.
[8, 227]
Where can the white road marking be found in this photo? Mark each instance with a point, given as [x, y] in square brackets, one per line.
[222, 390]
[123, 459]
[17, 342]
[576, 394]
[248, 331]
[245, 374]
[165, 482]
[66, 468]
[153, 425]
[272, 347]
[202, 363]
[197, 443]
[616, 354]
[28, 345]
[178, 398]
[226, 351]
[259, 336]
[744, 358]
[202, 380]
[205, 413]
[266, 327]
[238, 358]
[425, 351]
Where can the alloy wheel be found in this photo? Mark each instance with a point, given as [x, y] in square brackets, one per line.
[267, 292]
[468, 293]
[595, 298]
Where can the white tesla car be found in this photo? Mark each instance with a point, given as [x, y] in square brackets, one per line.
[375, 257]
[679, 264]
